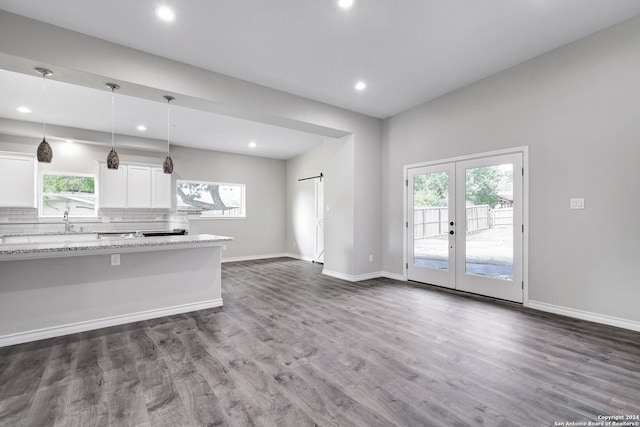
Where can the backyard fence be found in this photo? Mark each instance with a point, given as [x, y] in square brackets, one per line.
[434, 221]
[501, 217]
[430, 222]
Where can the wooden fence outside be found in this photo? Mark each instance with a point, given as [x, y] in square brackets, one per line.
[434, 221]
[501, 217]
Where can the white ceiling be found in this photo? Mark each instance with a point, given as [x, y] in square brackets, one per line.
[85, 108]
[408, 51]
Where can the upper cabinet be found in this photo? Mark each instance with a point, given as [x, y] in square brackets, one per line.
[113, 186]
[161, 188]
[138, 186]
[17, 180]
[134, 186]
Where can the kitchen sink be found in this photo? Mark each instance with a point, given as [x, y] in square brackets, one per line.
[127, 235]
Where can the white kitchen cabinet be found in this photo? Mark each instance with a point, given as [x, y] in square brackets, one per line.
[135, 185]
[138, 186]
[160, 188]
[113, 187]
[17, 180]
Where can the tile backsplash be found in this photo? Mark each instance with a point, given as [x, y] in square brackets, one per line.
[26, 221]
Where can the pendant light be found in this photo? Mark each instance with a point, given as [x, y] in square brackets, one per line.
[113, 161]
[167, 166]
[44, 153]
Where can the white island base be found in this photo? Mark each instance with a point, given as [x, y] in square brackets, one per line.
[43, 295]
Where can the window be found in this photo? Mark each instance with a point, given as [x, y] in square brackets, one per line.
[62, 192]
[211, 199]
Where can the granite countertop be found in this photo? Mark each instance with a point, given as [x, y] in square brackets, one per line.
[51, 233]
[23, 250]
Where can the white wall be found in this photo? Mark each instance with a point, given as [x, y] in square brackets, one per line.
[262, 232]
[74, 157]
[578, 110]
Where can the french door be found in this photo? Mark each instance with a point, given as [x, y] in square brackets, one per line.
[465, 225]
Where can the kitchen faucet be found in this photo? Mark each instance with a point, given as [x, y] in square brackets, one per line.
[65, 219]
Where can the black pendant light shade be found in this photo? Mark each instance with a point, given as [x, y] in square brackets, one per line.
[44, 153]
[167, 166]
[113, 161]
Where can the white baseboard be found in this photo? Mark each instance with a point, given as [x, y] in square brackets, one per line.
[255, 257]
[337, 275]
[366, 276]
[72, 328]
[351, 278]
[300, 257]
[585, 315]
[394, 276]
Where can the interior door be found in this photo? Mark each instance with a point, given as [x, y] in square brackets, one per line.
[431, 226]
[319, 222]
[464, 228]
[489, 245]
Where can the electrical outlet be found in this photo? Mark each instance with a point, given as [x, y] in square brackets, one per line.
[224, 247]
[115, 260]
[370, 258]
[576, 204]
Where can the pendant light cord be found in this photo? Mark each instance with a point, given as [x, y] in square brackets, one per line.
[168, 124]
[44, 105]
[113, 106]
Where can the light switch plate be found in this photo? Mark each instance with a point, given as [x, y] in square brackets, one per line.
[115, 260]
[576, 203]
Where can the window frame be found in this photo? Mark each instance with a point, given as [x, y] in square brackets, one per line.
[41, 193]
[205, 214]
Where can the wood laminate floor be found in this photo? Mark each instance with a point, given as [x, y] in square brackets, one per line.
[292, 347]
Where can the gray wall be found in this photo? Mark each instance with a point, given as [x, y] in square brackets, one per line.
[29, 43]
[262, 232]
[334, 159]
[578, 110]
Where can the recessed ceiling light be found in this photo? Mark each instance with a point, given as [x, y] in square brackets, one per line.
[345, 3]
[252, 144]
[361, 86]
[25, 110]
[165, 13]
[141, 128]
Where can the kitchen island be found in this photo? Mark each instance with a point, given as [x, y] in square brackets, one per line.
[55, 288]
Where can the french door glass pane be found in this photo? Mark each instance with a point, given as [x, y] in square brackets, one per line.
[489, 221]
[430, 220]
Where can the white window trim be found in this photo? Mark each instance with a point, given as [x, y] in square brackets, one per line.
[40, 193]
[205, 216]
